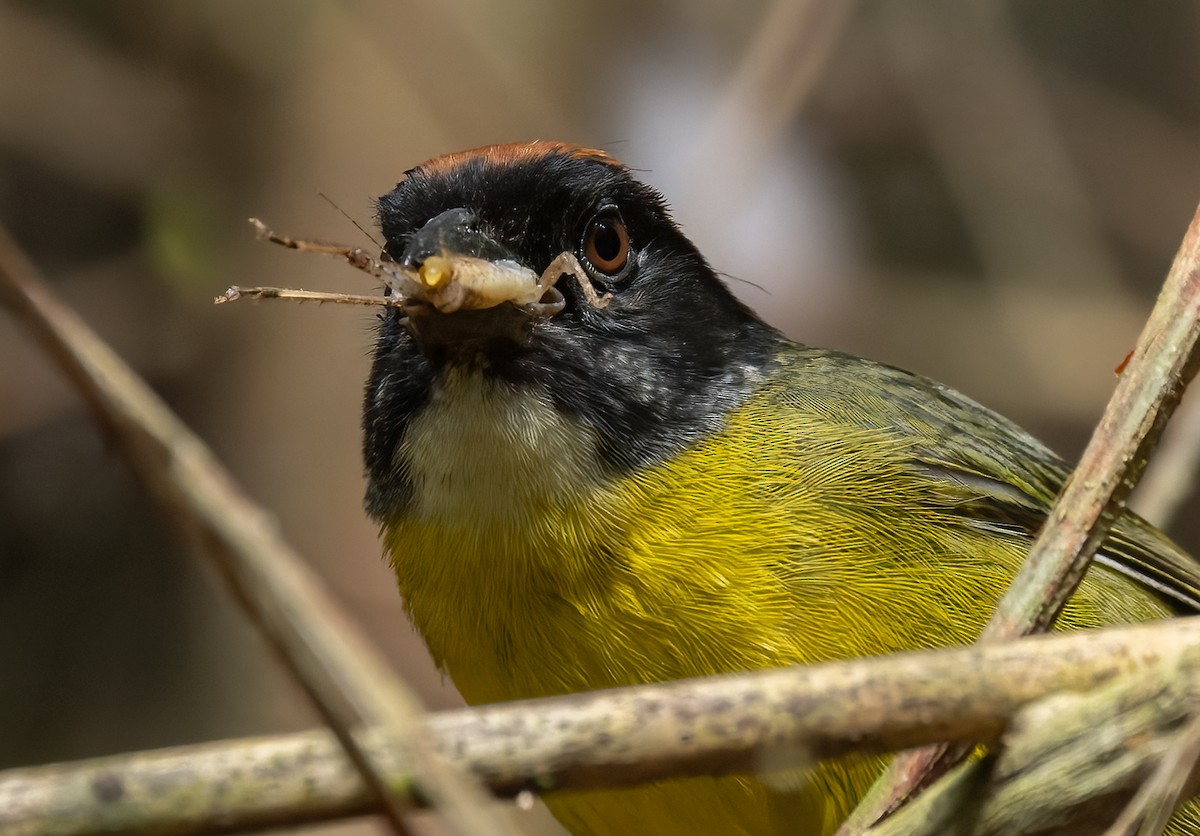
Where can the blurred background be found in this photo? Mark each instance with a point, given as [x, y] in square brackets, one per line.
[986, 192]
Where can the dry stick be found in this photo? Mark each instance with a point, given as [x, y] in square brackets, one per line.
[746, 723]
[1163, 363]
[284, 599]
[1067, 764]
[182, 475]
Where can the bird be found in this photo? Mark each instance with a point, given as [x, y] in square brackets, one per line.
[592, 467]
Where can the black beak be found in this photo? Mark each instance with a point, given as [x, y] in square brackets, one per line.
[466, 290]
[454, 233]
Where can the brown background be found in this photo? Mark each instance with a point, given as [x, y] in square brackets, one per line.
[986, 192]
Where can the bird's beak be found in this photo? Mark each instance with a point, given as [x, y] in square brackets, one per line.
[450, 265]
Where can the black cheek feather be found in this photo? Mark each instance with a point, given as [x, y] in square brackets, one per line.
[657, 371]
[400, 384]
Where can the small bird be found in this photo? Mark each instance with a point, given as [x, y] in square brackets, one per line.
[594, 467]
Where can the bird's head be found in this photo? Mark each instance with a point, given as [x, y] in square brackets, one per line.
[549, 267]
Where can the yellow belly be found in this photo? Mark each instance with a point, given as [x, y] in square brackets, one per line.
[752, 549]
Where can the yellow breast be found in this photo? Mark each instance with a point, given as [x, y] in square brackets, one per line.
[531, 570]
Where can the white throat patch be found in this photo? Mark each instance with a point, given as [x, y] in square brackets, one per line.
[487, 451]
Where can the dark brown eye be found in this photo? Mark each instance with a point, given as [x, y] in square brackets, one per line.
[606, 244]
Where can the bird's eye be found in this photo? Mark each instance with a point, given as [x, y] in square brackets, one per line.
[606, 244]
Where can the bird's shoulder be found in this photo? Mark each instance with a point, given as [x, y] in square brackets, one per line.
[996, 474]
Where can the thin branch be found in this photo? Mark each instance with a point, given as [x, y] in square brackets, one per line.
[750, 723]
[281, 595]
[1046, 776]
[1163, 363]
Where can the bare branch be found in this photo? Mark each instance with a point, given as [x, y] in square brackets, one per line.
[751, 723]
[1163, 363]
[1050, 767]
[317, 644]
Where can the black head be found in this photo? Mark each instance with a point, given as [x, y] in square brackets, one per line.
[654, 369]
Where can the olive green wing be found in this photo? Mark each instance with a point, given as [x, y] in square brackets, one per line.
[1009, 479]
